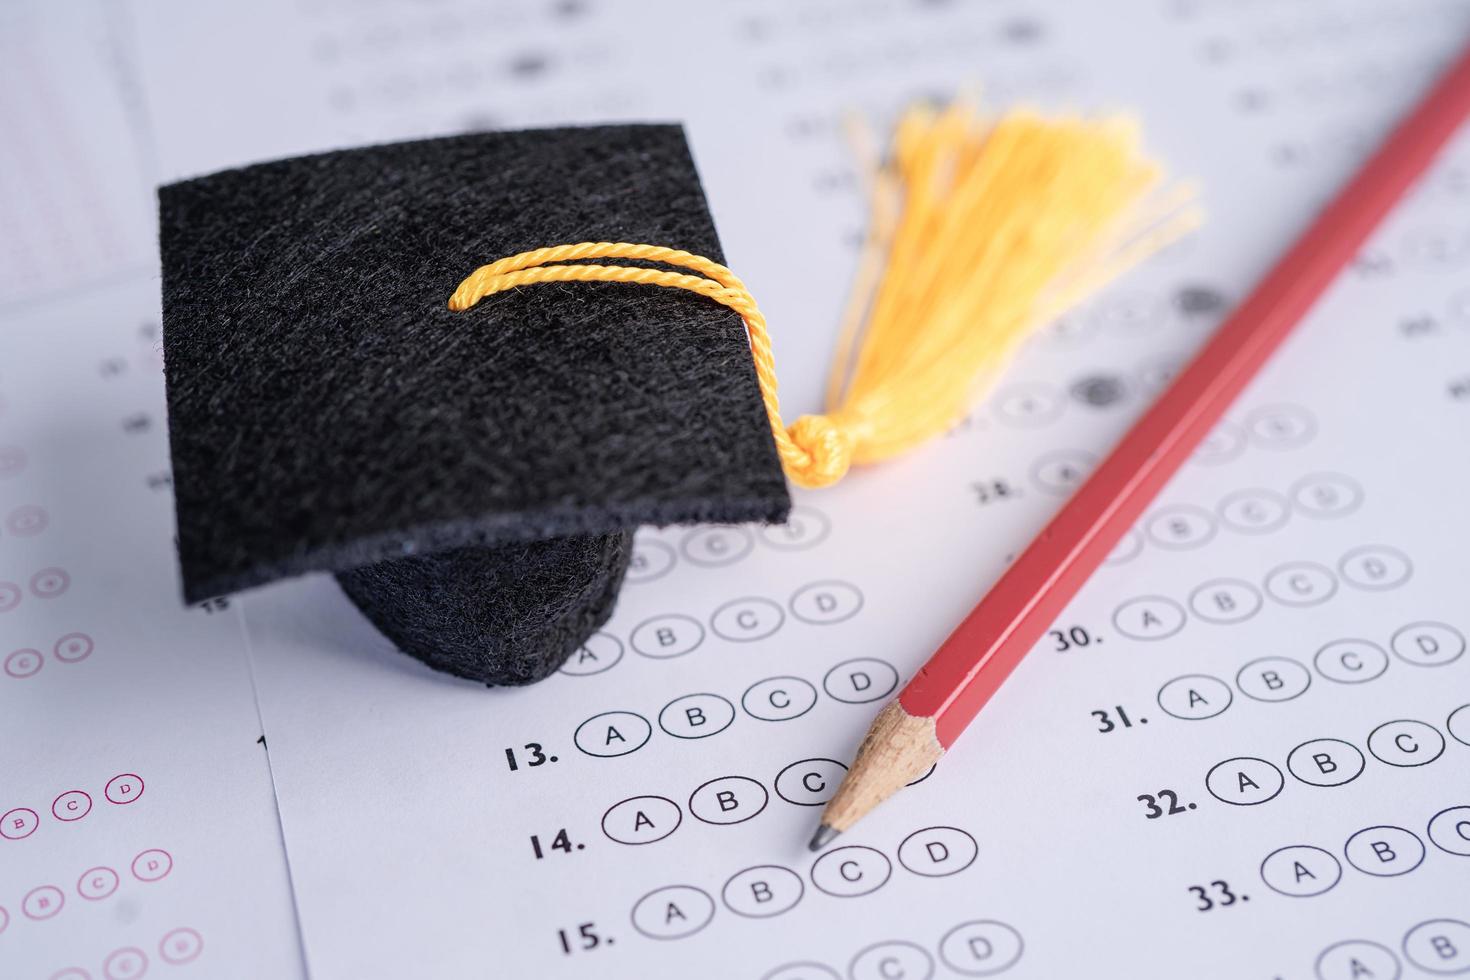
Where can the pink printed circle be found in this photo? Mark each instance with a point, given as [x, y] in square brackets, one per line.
[71, 973]
[19, 823]
[73, 647]
[27, 520]
[23, 663]
[12, 460]
[97, 883]
[182, 945]
[152, 864]
[127, 963]
[4, 918]
[49, 583]
[124, 788]
[10, 596]
[71, 805]
[42, 903]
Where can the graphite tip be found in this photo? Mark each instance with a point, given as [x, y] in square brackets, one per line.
[824, 836]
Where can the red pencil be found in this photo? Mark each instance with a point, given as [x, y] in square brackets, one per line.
[915, 729]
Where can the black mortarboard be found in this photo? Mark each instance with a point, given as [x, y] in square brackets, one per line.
[473, 479]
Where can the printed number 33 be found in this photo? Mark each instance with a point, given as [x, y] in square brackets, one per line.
[1225, 899]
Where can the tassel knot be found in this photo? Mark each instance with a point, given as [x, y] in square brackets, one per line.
[825, 448]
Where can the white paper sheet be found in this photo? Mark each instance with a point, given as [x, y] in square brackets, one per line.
[1092, 822]
[1316, 543]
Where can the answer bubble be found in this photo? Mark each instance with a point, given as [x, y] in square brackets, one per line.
[851, 871]
[19, 823]
[641, 820]
[746, 620]
[152, 864]
[806, 970]
[12, 460]
[1281, 426]
[1385, 851]
[1358, 959]
[601, 652]
[650, 560]
[1149, 617]
[73, 648]
[43, 902]
[1027, 406]
[1225, 600]
[1225, 441]
[696, 716]
[1180, 526]
[805, 527]
[1375, 567]
[1253, 511]
[938, 852]
[673, 912]
[1300, 583]
[981, 948]
[1195, 697]
[716, 546]
[1350, 661]
[1273, 679]
[1326, 762]
[612, 733]
[860, 680]
[1244, 781]
[127, 963]
[1131, 313]
[1063, 471]
[670, 635]
[1326, 495]
[97, 883]
[1128, 547]
[1440, 946]
[892, 960]
[763, 892]
[10, 596]
[1458, 723]
[1300, 871]
[182, 945]
[810, 782]
[823, 603]
[123, 788]
[728, 800]
[779, 698]
[1406, 743]
[49, 583]
[27, 520]
[21, 664]
[1449, 830]
[71, 805]
[1428, 644]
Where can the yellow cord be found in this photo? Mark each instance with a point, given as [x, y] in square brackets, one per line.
[989, 228]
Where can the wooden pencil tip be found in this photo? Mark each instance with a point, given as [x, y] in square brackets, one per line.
[824, 836]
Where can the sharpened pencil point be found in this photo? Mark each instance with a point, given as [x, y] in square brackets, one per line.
[824, 836]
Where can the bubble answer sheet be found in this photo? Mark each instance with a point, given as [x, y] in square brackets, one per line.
[1242, 752]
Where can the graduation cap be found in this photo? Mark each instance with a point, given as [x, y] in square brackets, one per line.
[470, 458]
[472, 479]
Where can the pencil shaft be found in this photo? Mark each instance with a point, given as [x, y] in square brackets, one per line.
[978, 656]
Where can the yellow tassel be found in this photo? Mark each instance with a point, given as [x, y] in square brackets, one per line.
[981, 230]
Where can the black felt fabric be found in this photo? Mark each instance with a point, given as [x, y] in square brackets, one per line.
[507, 615]
[328, 412]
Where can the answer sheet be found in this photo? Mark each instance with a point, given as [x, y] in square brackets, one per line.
[1242, 751]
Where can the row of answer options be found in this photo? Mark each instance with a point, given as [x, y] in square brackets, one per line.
[1294, 584]
[743, 620]
[610, 734]
[1402, 743]
[725, 801]
[769, 890]
[1196, 697]
[715, 545]
[1382, 851]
